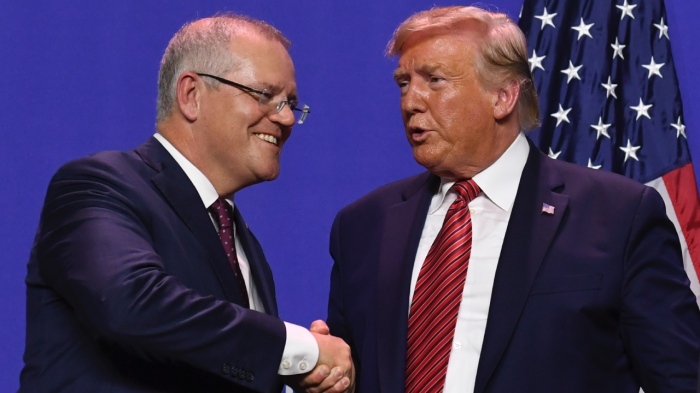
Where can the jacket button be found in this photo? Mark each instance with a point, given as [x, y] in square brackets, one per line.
[249, 376]
[226, 369]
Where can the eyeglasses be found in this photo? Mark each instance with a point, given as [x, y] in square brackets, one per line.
[300, 111]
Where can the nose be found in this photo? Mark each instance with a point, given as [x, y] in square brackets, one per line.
[413, 99]
[285, 116]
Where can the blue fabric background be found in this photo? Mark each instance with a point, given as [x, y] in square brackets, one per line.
[80, 77]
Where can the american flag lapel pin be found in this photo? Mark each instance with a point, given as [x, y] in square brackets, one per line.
[547, 209]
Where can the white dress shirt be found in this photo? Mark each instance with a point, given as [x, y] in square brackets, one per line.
[300, 350]
[490, 212]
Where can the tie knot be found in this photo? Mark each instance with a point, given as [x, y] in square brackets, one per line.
[466, 190]
[222, 212]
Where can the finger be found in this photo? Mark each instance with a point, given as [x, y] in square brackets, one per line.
[342, 386]
[319, 326]
[329, 384]
[316, 377]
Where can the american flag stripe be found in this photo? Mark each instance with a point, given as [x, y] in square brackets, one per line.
[681, 211]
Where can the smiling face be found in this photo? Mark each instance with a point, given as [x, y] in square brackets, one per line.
[239, 140]
[447, 112]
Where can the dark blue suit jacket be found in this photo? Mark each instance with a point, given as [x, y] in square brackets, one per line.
[592, 298]
[129, 289]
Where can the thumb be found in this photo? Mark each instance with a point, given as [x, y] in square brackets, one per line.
[319, 326]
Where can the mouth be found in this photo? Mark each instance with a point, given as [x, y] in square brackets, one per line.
[417, 134]
[267, 138]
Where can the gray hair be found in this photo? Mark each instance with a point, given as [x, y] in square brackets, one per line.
[503, 49]
[205, 48]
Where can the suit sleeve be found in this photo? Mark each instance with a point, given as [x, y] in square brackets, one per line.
[336, 318]
[97, 252]
[660, 320]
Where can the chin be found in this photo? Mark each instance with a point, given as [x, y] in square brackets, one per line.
[425, 160]
[269, 175]
[265, 170]
[435, 165]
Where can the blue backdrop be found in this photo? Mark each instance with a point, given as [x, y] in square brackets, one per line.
[79, 77]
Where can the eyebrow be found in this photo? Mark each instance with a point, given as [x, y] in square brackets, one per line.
[423, 69]
[275, 90]
[399, 73]
[270, 88]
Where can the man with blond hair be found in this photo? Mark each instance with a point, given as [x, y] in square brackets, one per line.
[144, 277]
[500, 269]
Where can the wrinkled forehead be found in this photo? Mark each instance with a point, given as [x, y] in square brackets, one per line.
[440, 51]
[264, 62]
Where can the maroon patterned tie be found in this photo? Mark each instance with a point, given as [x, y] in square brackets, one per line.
[223, 214]
[438, 293]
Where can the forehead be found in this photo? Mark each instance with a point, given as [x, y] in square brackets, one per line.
[446, 52]
[263, 61]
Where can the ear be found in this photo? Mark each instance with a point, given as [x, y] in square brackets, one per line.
[505, 100]
[188, 92]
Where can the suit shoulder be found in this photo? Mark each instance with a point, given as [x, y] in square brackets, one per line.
[107, 167]
[596, 180]
[107, 160]
[602, 188]
[391, 193]
[105, 172]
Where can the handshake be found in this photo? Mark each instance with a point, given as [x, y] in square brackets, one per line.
[334, 371]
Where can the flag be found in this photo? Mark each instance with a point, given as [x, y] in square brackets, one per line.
[547, 209]
[610, 100]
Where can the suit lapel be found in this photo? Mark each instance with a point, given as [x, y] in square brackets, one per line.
[181, 195]
[528, 237]
[401, 233]
[260, 270]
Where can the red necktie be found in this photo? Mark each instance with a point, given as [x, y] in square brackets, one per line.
[438, 293]
[223, 214]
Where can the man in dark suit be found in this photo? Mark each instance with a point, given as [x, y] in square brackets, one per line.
[545, 277]
[136, 282]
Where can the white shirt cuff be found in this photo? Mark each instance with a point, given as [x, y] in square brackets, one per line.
[300, 351]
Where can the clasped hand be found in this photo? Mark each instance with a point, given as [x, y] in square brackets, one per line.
[334, 371]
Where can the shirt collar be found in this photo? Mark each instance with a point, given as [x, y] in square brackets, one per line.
[204, 188]
[499, 181]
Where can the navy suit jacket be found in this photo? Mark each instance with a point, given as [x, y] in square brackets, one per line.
[592, 298]
[129, 288]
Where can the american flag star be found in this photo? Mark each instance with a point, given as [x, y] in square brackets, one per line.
[620, 110]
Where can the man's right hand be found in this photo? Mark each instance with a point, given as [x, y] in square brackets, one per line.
[334, 371]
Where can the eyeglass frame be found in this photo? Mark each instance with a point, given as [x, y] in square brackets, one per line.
[265, 95]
